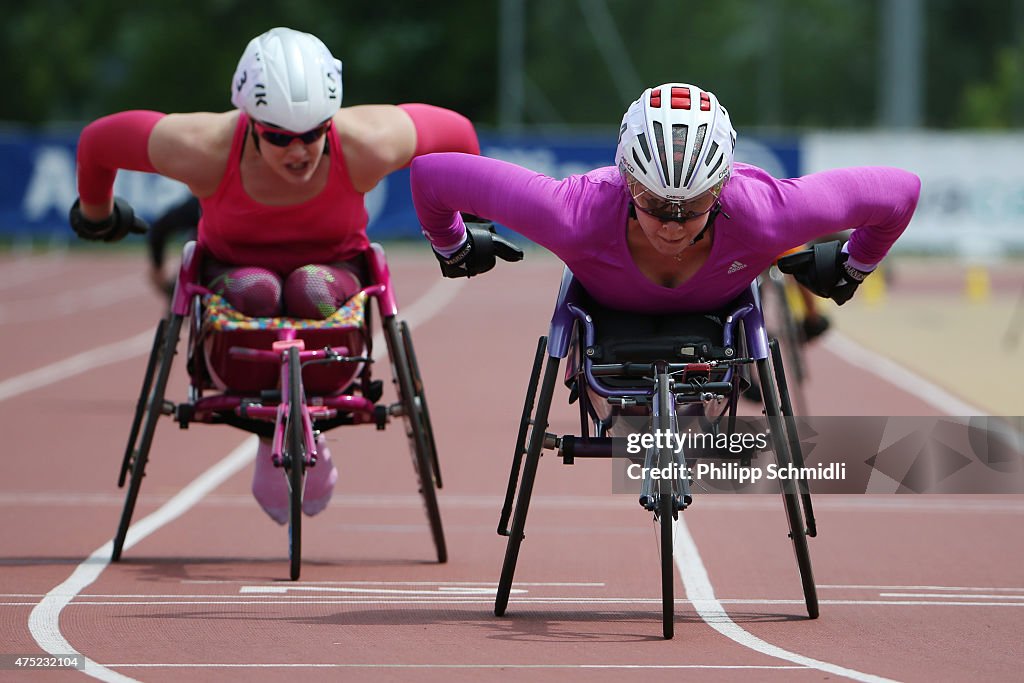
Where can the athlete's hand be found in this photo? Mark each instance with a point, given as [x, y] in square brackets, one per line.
[478, 254]
[824, 271]
[113, 228]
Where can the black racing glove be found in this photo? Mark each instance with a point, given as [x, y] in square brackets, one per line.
[478, 254]
[111, 229]
[824, 271]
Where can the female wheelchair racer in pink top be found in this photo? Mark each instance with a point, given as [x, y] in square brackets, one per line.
[676, 225]
[281, 180]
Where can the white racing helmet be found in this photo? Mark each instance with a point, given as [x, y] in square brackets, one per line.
[677, 142]
[287, 79]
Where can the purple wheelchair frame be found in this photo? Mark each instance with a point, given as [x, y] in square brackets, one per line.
[670, 386]
[289, 415]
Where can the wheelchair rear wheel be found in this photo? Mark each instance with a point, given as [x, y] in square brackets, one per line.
[538, 430]
[295, 461]
[421, 397]
[147, 414]
[782, 323]
[790, 495]
[417, 428]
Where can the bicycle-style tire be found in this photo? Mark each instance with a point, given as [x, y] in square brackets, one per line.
[524, 430]
[153, 412]
[666, 506]
[155, 354]
[792, 436]
[295, 461]
[421, 397]
[522, 506]
[790, 495]
[789, 334]
[417, 432]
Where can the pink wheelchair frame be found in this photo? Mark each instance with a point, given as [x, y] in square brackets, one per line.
[289, 383]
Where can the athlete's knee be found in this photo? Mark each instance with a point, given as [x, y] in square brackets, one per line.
[253, 291]
[316, 291]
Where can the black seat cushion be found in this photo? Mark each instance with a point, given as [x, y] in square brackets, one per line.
[625, 336]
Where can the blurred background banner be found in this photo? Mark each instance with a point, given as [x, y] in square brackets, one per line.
[37, 178]
[972, 184]
[934, 87]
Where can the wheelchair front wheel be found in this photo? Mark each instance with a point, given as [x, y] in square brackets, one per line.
[666, 505]
[295, 461]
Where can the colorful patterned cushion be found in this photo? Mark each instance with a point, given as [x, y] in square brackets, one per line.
[221, 316]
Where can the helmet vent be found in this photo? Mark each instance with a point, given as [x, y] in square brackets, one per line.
[679, 135]
[681, 98]
[705, 102]
[656, 98]
[659, 139]
[711, 152]
[698, 145]
[642, 139]
[721, 158]
[640, 164]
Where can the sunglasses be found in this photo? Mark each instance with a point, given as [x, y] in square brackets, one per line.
[668, 211]
[283, 138]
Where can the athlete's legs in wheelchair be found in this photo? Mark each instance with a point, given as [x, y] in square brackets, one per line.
[313, 291]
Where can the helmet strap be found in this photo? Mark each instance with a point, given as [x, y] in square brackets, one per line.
[255, 137]
[717, 209]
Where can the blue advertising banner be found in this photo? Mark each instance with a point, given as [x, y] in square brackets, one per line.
[37, 178]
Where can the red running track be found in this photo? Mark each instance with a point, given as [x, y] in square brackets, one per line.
[914, 588]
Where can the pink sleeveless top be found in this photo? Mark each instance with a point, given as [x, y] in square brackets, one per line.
[238, 230]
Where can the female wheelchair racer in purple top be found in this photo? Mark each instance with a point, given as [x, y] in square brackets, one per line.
[676, 225]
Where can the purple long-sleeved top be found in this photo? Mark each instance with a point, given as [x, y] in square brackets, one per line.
[582, 219]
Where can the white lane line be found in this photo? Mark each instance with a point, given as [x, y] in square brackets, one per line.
[441, 592]
[490, 584]
[965, 596]
[702, 595]
[251, 665]
[44, 620]
[76, 301]
[433, 301]
[77, 364]
[426, 597]
[987, 589]
[29, 268]
[899, 376]
[402, 602]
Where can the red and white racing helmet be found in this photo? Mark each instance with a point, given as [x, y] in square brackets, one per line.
[676, 143]
[287, 79]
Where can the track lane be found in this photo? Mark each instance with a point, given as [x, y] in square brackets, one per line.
[375, 531]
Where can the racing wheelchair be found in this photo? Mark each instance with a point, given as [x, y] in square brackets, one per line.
[285, 379]
[626, 369]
